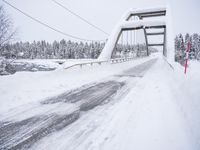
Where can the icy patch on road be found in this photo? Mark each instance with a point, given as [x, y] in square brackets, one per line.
[89, 97]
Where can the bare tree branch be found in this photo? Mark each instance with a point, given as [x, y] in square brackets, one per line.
[6, 28]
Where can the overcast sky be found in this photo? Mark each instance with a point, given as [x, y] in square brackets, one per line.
[103, 13]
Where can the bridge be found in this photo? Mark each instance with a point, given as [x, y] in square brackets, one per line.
[153, 23]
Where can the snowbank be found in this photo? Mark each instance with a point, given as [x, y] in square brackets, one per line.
[187, 94]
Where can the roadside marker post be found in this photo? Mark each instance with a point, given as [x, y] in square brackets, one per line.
[187, 57]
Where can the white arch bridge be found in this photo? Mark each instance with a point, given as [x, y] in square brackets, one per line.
[158, 18]
[126, 24]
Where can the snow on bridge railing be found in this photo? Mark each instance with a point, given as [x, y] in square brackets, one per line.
[120, 60]
[91, 63]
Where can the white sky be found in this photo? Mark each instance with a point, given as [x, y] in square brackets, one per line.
[103, 13]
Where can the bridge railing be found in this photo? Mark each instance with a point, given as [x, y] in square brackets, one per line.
[112, 61]
[120, 60]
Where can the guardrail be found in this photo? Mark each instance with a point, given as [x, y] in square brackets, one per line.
[112, 61]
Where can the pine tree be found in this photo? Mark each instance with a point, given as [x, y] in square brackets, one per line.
[177, 48]
[195, 38]
[198, 49]
[182, 48]
[55, 48]
[62, 49]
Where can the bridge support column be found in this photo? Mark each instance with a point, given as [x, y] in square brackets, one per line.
[164, 46]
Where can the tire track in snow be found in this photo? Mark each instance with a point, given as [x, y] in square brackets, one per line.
[24, 133]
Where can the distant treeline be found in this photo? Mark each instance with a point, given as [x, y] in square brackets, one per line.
[65, 50]
[57, 50]
[181, 46]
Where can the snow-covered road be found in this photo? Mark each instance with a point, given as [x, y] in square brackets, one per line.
[134, 109]
[53, 114]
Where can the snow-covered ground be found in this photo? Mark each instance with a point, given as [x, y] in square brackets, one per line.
[25, 87]
[186, 90]
[157, 109]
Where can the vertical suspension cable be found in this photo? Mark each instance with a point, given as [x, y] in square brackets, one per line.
[122, 38]
[131, 34]
[121, 43]
[127, 37]
[134, 32]
[131, 40]
[131, 37]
